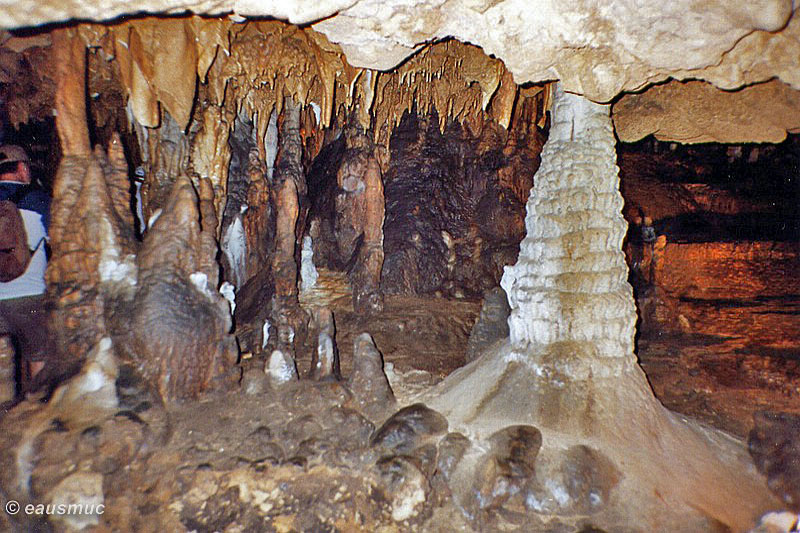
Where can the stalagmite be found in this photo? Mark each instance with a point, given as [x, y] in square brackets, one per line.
[280, 368]
[308, 272]
[569, 369]
[368, 383]
[325, 357]
[179, 332]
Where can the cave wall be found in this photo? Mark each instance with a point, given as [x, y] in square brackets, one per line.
[454, 204]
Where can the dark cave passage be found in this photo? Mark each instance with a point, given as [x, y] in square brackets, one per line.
[719, 305]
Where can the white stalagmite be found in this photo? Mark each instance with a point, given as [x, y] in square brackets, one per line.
[569, 284]
[569, 367]
[228, 291]
[271, 144]
[280, 368]
[308, 272]
[234, 246]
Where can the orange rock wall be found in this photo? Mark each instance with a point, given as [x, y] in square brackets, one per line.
[730, 269]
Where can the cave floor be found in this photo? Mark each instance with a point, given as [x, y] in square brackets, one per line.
[303, 458]
[719, 380]
[325, 473]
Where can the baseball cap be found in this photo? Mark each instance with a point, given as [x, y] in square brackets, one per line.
[11, 153]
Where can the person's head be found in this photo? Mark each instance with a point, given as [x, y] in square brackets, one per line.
[14, 164]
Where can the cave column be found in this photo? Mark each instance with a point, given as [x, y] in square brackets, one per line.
[360, 209]
[288, 186]
[569, 367]
[569, 286]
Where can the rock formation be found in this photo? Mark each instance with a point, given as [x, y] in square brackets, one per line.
[568, 368]
[224, 116]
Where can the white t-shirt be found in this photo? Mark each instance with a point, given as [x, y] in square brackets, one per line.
[31, 283]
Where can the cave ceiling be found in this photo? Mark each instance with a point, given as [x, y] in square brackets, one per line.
[607, 50]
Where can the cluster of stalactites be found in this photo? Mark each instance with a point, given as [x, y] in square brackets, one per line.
[256, 65]
[459, 82]
[183, 81]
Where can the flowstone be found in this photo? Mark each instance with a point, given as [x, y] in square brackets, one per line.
[609, 450]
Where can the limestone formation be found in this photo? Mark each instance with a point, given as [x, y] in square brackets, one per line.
[308, 271]
[492, 324]
[179, 323]
[289, 187]
[368, 382]
[81, 490]
[595, 49]
[774, 448]
[405, 485]
[697, 112]
[409, 428]
[455, 201]
[280, 368]
[509, 466]
[359, 223]
[569, 369]
[148, 297]
[325, 357]
[555, 428]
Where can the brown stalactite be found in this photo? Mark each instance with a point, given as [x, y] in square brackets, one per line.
[166, 154]
[69, 56]
[284, 266]
[207, 251]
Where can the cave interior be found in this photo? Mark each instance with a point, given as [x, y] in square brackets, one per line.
[293, 294]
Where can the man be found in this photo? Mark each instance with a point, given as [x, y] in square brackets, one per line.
[648, 243]
[23, 306]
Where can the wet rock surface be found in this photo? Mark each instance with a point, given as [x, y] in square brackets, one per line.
[454, 200]
[509, 466]
[409, 428]
[454, 207]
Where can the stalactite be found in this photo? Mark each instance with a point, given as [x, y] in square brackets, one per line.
[166, 154]
[234, 241]
[259, 215]
[70, 105]
[211, 153]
